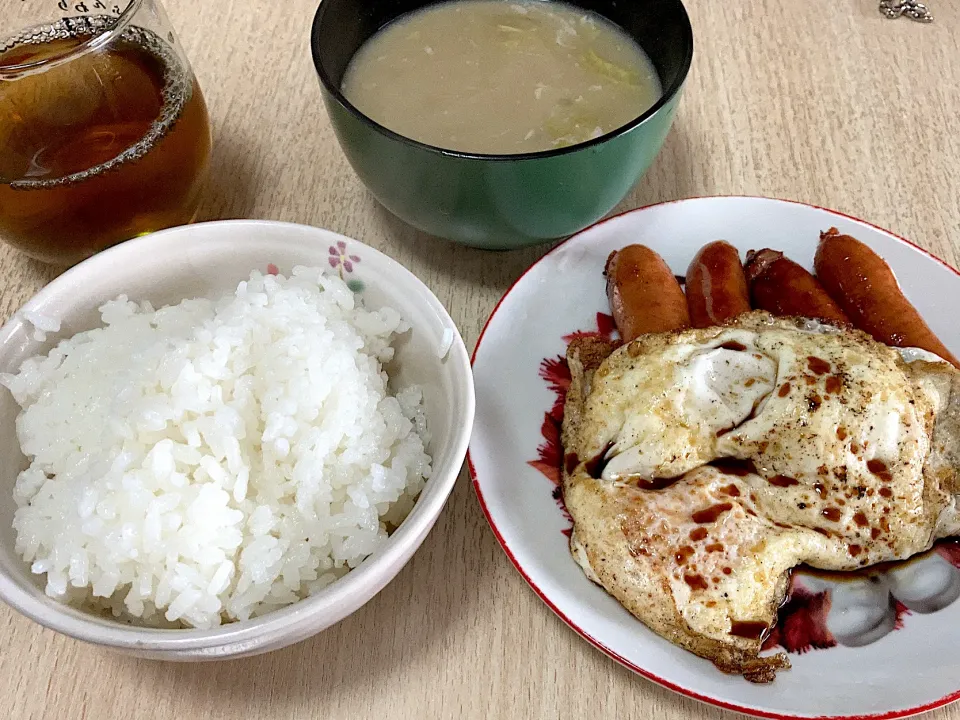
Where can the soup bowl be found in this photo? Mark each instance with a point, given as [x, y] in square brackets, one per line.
[500, 201]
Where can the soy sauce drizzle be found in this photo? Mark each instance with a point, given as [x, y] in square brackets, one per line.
[652, 483]
[880, 469]
[696, 582]
[735, 466]
[595, 465]
[818, 365]
[734, 345]
[710, 514]
[750, 629]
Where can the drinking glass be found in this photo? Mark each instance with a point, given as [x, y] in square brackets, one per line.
[104, 133]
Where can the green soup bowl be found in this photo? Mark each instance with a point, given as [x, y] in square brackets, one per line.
[500, 201]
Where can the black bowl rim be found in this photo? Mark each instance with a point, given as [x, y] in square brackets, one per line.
[667, 96]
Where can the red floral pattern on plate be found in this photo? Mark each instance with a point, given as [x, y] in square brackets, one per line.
[802, 620]
[950, 551]
[557, 374]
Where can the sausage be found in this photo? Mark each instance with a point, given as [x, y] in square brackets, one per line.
[716, 285]
[866, 287]
[644, 295]
[780, 286]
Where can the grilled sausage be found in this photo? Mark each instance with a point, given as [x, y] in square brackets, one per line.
[644, 295]
[782, 287]
[866, 288]
[716, 285]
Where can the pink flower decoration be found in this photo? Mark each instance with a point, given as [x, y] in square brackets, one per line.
[340, 260]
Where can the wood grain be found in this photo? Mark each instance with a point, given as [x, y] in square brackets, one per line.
[826, 103]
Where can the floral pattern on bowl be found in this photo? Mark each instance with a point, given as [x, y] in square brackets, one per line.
[340, 260]
[822, 610]
[343, 262]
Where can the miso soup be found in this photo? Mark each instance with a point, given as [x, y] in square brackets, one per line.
[498, 77]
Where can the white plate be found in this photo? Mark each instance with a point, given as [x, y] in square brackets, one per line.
[905, 671]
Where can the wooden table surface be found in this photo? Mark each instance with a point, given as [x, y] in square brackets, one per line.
[823, 102]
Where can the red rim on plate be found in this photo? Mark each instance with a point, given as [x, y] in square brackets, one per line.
[891, 715]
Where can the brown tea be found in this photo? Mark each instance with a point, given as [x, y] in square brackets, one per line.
[100, 148]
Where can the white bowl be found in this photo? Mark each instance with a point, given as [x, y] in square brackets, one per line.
[209, 259]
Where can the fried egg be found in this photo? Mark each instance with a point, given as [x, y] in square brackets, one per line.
[702, 466]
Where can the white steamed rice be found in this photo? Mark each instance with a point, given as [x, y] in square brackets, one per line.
[214, 460]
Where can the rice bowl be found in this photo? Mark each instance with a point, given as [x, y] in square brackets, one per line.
[184, 270]
[214, 460]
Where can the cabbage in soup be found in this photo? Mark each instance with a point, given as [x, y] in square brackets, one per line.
[496, 77]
